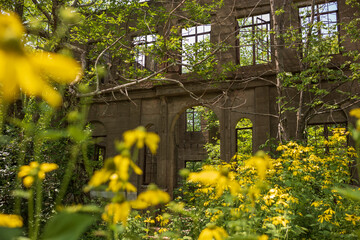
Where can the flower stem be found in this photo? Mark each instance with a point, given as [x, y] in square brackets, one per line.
[31, 213]
[38, 207]
[68, 173]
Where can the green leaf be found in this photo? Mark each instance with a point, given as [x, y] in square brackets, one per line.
[9, 233]
[67, 226]
[349, 193]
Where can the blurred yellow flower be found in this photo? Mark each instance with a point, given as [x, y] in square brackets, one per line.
[213, 232]
[99, 177]
[150, 198]
[261, 162]
[139, 136]
[116, 171]
[30, 72]
[355, 112]
[10, 220]
[352, 218]
[116, 212]
[220, 179]
[279, 220]
[33, 170]
[326, 217]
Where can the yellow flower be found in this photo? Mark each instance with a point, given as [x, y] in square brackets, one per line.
[151, 197]
[33, 170]
[140, 136]
[221, 179]
[352, 218]
[149, 220]
[263, 237]
[326, 217]
[30, 72]
[213, 232]
[116, 171]
[329, 211]
[355, 112]
[261, 162]
[10, 220]
[116, 212]
[279, 220]
[99, 177]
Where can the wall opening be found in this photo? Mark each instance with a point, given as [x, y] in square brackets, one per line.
[149, 164]
[196, 138]
[244, 137]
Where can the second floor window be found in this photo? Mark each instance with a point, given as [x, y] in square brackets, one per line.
[194, 41]
[143, 47]
[254, 40]
[319, 24]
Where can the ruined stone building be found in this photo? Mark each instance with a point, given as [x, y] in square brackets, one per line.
[249, 92]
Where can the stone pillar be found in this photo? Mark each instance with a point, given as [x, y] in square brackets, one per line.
[261, 126]
[164, 164]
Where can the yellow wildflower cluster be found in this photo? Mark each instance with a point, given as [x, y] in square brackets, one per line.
[10, 221]
[279, 220]
[35, 170]
[28, 71]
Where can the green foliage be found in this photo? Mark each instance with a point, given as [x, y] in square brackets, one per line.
[67, 226]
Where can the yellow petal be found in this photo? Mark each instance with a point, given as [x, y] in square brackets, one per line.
[355, 112]
[11, 28]
[152, 141]
[24, 171]
[48, 167]
[10, 221]
[28, 181]
[41, 174]
[59, 68]
[9, 88]
[52, 97]
[29, 82]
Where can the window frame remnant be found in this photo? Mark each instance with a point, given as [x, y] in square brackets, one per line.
[325, 25]
[199, 34]
[143, 59]
[249, 41]
[192, 120]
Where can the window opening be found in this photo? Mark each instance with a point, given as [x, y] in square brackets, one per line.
[191, 44]
[193, 120]
[254, 40]
[193, 166]
[150, 167]
[317, 135]
[97, 151]
[325, 25]
[143, 57]
[244, 134]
